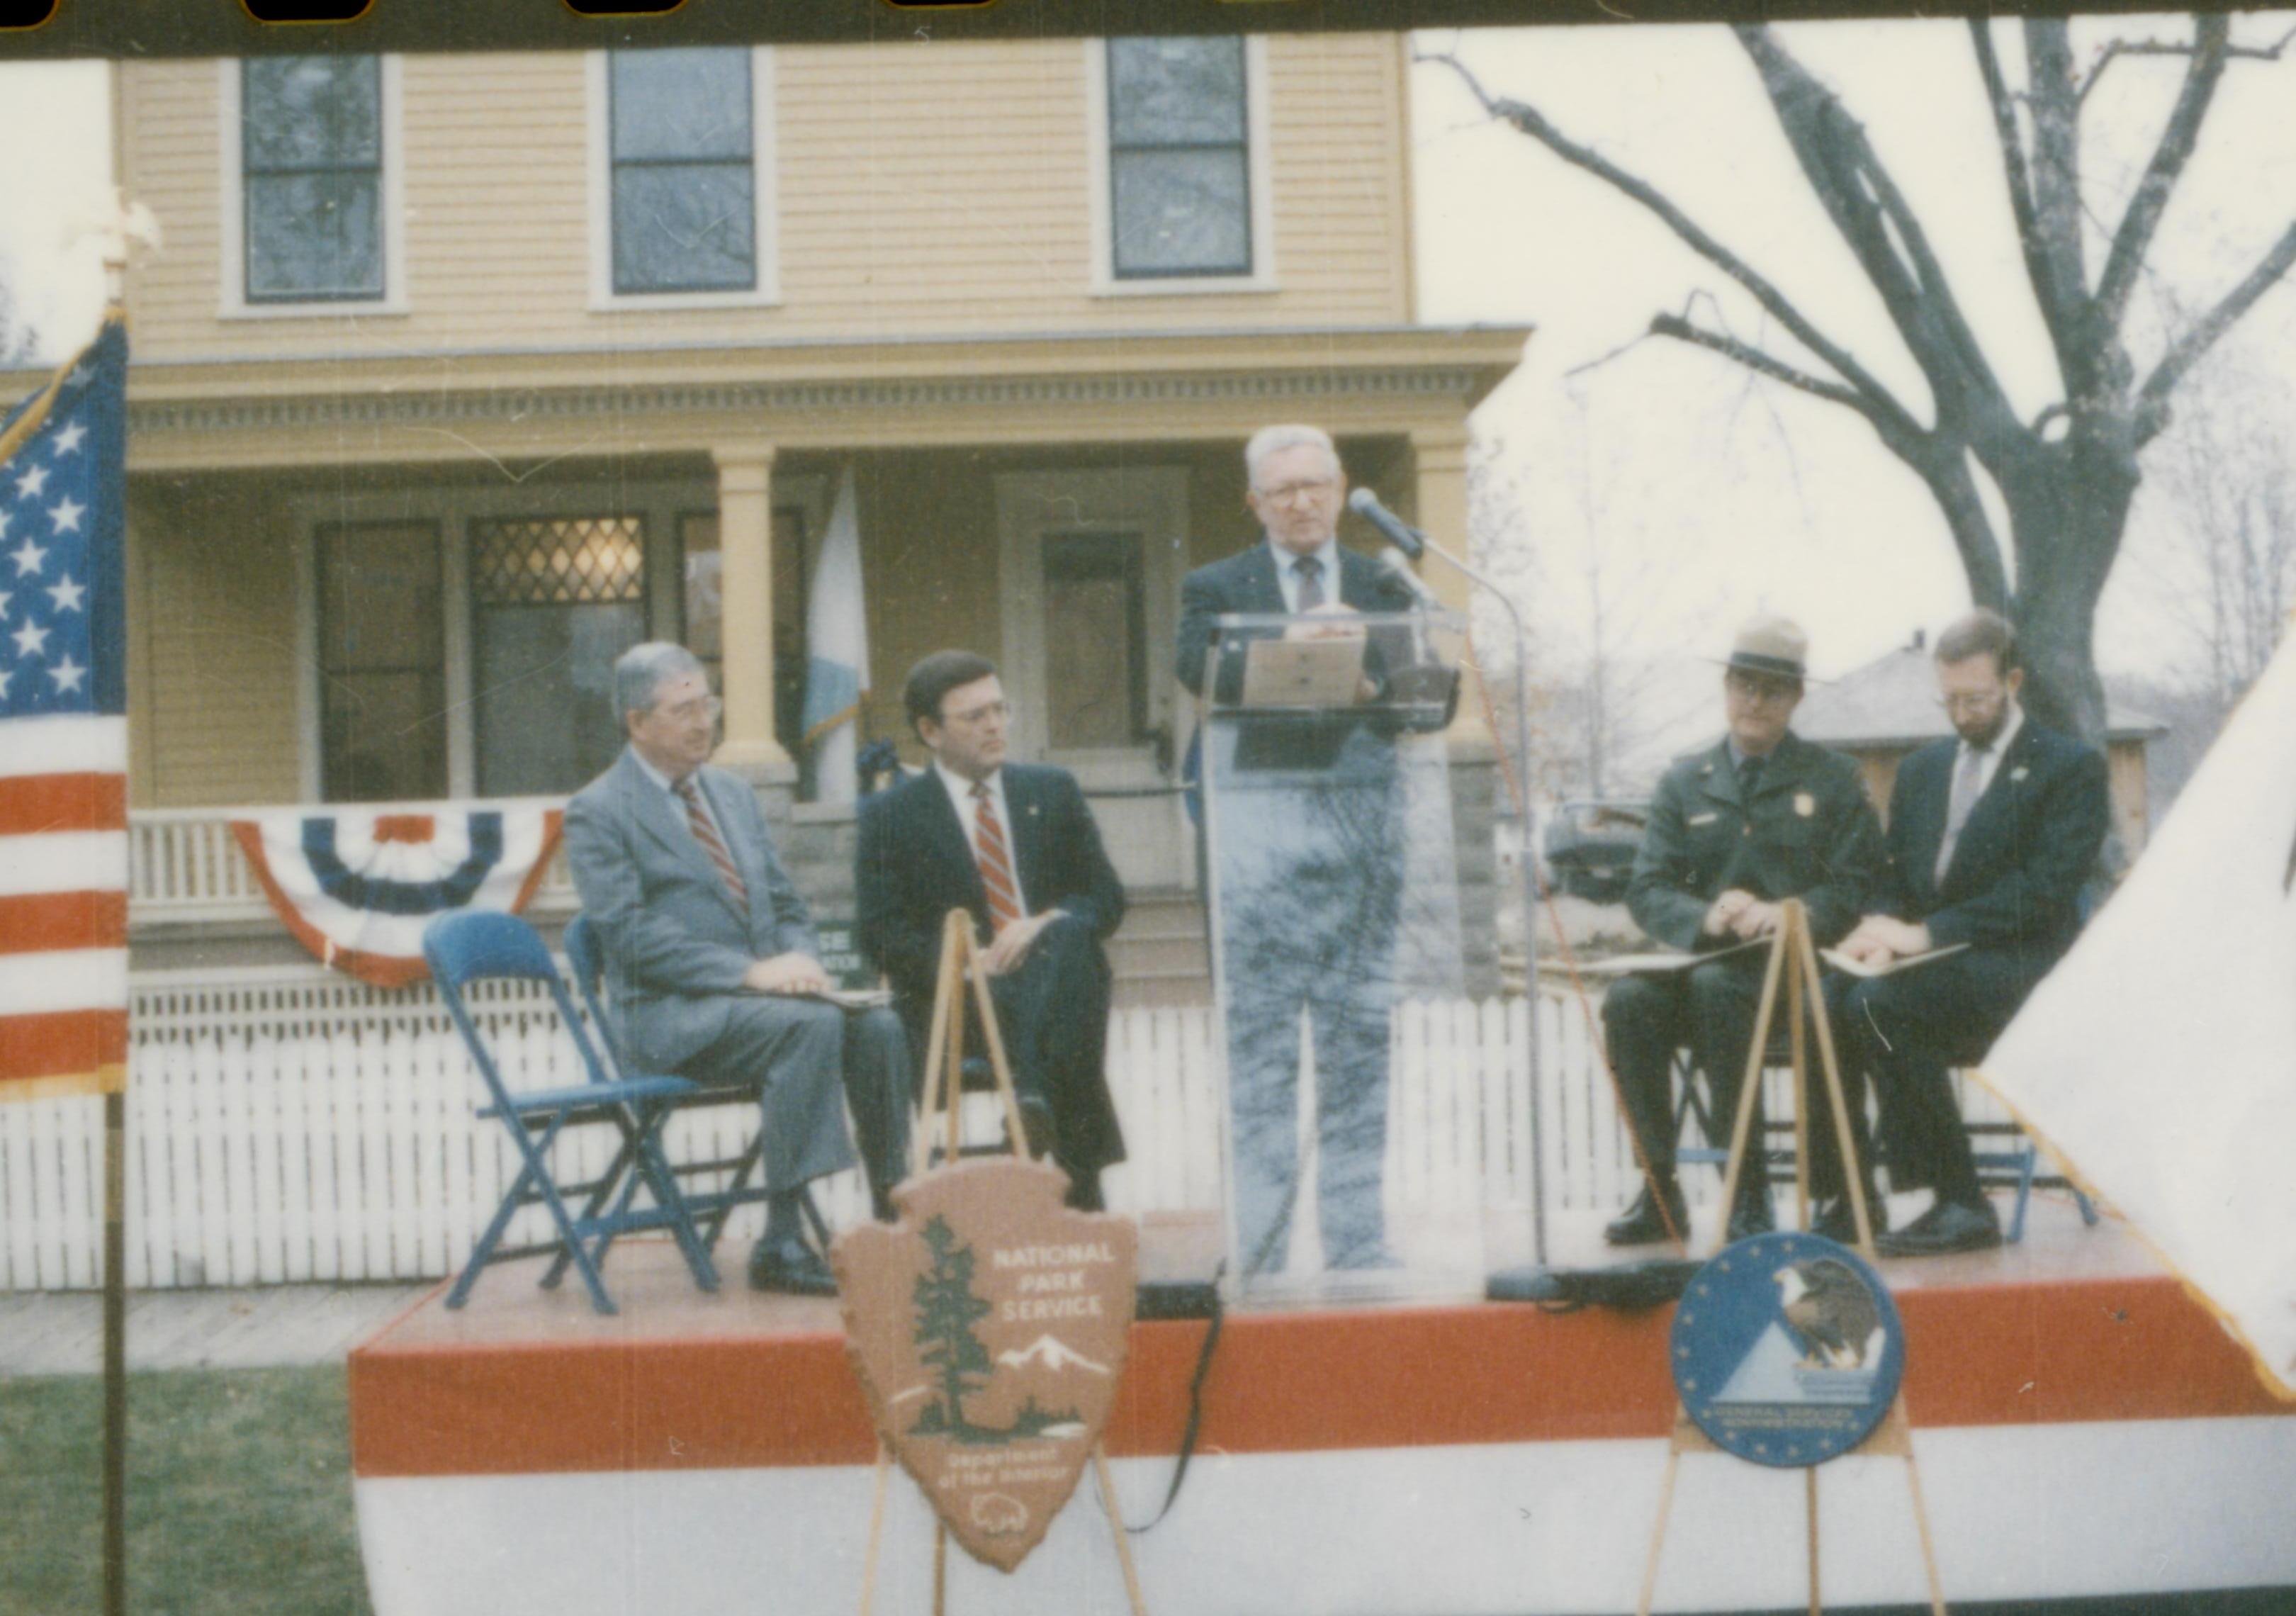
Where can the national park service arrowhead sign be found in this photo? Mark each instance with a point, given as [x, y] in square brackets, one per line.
[989, 1327]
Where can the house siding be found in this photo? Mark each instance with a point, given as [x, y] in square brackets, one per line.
[934, 192]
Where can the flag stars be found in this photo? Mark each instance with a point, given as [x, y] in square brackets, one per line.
[81, 377]
[27, 557]
[68, 439]
[5, 597]
[67, 675]
[65, 517]
[6, 676]
[34, 479]
[31, 640]
[66, 595]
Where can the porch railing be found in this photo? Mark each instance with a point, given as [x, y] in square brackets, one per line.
[184, 865]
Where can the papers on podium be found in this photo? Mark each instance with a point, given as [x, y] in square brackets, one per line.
[1324, 672]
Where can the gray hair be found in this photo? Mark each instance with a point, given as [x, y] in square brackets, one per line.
[643, 669]
[1275, 439]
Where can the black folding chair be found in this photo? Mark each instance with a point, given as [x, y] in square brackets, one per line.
[473, 945]
[586, 957]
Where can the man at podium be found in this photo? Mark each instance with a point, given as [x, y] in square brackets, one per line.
[1308, 877]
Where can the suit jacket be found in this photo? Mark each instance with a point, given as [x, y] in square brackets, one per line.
[1246, 582]
[915, 866]
[2029, 844]
[1808, 833]
[676, 942]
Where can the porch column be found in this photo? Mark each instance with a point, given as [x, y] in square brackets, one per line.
[1440, 498]
[745, 533]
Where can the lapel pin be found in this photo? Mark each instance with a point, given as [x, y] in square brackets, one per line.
[1805, 804]
[2019, 773]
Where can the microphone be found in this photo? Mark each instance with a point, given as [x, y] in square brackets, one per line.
[1392, 559]
[1400, 533]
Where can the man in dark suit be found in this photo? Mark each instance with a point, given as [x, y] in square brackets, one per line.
[712, 962]
[1015, 847]
[1992, 836]
[1758, 817]
[1306, 858]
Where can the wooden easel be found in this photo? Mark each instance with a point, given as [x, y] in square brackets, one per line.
[1893, 1437]
[961, 962]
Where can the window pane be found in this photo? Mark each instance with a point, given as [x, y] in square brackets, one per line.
[681, 104]
[685, 227]
[312, 111]
[313, 236]
[565, 562]
[1181, 212]
[385, 736]
[545, 677]
[1175, 91]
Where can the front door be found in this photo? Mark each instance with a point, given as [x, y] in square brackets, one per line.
[1091, 564]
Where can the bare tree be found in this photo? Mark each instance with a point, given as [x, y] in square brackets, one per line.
[2066, 477]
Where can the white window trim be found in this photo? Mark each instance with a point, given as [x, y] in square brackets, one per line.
[1259, 165]
[392, 203]
[768, 292]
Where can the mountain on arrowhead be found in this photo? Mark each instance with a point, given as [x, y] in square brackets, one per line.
[1053, 1353]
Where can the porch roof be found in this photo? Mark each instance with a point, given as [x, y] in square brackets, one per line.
[422, 407]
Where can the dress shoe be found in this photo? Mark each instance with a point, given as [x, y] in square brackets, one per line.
[1084, 1193]
[1642, 1222]
[1836, 1219]
[1751, 1217]
[1949, 1225]
[786, 1264]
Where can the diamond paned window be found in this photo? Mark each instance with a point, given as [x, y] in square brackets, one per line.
[1179, 158]
[553, 603]
[682, 142]
[311, 160]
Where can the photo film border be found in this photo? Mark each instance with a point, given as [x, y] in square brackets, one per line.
[58, 28]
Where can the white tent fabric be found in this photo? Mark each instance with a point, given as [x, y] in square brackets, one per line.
[2158, 1061]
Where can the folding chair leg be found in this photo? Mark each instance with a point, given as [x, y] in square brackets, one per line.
[813, 1217]
[591, 1278]
[2024, 1192]
[512, 1202]
[613, 1178]
[663, 1183]
[728, 1198]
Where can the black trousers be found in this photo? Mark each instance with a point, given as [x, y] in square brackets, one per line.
[1710, 1009]
[1907, 1030]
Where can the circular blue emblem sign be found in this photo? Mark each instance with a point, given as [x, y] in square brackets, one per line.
[1787, 1349]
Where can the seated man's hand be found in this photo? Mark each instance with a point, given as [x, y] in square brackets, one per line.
[1723, 916]
[1756, 919]
[1880, 938]
[1011, 948]
[790, 972]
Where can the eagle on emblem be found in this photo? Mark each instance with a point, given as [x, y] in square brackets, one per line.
[1828, 1307]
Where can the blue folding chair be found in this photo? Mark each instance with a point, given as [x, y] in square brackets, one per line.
[472, 945]
[586, 957]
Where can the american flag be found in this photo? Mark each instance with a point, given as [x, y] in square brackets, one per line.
[63, 731]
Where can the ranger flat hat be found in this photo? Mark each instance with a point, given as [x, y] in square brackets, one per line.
[1770, 644]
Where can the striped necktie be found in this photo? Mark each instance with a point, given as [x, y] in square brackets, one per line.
[996, 859]
[1310, 570]
[697, 820]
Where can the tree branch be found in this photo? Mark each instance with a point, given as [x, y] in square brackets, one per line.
[2056, 178]
[2212, 34]
[2152, 409]
[1880, 404]
[1753, 358]
[2057, 300]
[1892, 245]
[2118, 48]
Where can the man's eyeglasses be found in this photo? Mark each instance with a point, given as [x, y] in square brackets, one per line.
[1757, 691]
[1284, 494]
[1972, 702]
[699, 707]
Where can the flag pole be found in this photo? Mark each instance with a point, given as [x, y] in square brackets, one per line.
[124, 228]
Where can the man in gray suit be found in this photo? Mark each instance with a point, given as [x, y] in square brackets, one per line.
[712, 962]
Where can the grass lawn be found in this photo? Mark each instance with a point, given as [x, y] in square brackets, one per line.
[239, 1495]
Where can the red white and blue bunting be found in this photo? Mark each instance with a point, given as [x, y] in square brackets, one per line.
[358, 886]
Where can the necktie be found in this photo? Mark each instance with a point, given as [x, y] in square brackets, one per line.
[1749, 776]
[1310, 571]
[697, 820]
[995, 858]
[1962, 798]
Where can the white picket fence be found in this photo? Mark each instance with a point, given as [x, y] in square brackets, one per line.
[288, 1124]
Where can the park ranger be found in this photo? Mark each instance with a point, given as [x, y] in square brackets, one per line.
[1759, 816]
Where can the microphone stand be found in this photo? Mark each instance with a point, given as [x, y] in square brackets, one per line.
[1530, 883]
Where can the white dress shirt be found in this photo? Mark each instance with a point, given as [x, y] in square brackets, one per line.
[1327, 553]
[968, 816]
[1990, 760]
